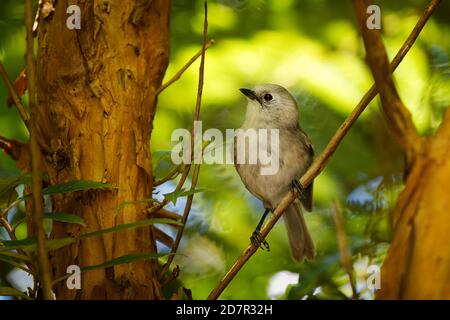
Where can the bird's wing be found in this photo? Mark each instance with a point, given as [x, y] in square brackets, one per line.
[236, 165]
[308, 199]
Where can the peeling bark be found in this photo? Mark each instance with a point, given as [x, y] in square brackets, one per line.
[417, 265]
[96, 97]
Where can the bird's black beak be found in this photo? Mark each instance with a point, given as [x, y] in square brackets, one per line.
[249, 94]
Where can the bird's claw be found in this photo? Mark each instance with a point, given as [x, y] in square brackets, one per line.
[295, 185]
[257, 240]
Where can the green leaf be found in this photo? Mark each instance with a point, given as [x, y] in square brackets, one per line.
[127, 203]
[173, 196]
[13, 292]
[77, 185]
[18, 244]
[10, 183]
[125, 259]
[14, 255]
[12, 261]
[29, 244]
[55, 244]
[120, 227]
[72, 186]
[65, 217]
[57, 216]
[8, 186]
[8, 198]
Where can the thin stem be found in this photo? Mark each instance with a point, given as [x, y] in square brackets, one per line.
[8, 228]
[11, 205]
[195, 174]
[35, 152]
[185, 67]
[344, 251]
[23, 113]
[170, 176]
[320, 162]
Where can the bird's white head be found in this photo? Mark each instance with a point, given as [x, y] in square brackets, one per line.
[270, 106]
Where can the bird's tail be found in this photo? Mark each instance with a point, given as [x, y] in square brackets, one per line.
[300, 240]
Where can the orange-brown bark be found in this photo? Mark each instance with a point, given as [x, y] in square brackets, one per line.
[417, 265]
[96, 98]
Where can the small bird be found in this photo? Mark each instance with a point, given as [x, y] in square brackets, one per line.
[271, 106]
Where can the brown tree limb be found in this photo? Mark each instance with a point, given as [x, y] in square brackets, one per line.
[185, 67]
[319, 163]
[187, 208]
[12, 92]
[35, 152]
[344, 250]
[163, 237]
[396, 114]
[164, 213]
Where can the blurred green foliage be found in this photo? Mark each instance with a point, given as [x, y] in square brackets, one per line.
[313, 48]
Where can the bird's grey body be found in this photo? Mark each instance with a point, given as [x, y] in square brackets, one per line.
[295, 155]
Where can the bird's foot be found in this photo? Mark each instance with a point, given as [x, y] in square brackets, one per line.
[257, 240]
[295, 185]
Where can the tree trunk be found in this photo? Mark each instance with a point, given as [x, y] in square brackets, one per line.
[417, 265]
[96, 97]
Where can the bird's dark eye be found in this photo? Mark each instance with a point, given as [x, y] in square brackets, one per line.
[268, 97]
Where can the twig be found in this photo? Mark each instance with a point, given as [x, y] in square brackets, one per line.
[343, 248]
[396, 114]
[319, 164]
[163, 237]
[164, 213]
[38, 207]
[170, 176]
[185, 67]
[23, 113]
[10, 206]
[187, 208]
[8, 228]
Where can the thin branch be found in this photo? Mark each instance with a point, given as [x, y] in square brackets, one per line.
[23, 113]
[163, 237]
[187, 208]
[170, 176]
[185, 67]
[9, 207]
[164, 213]
[38, 206]
[8, 228]
[343, 248]
[319, 164]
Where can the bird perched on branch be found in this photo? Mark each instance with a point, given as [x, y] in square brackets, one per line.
[272, 107]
